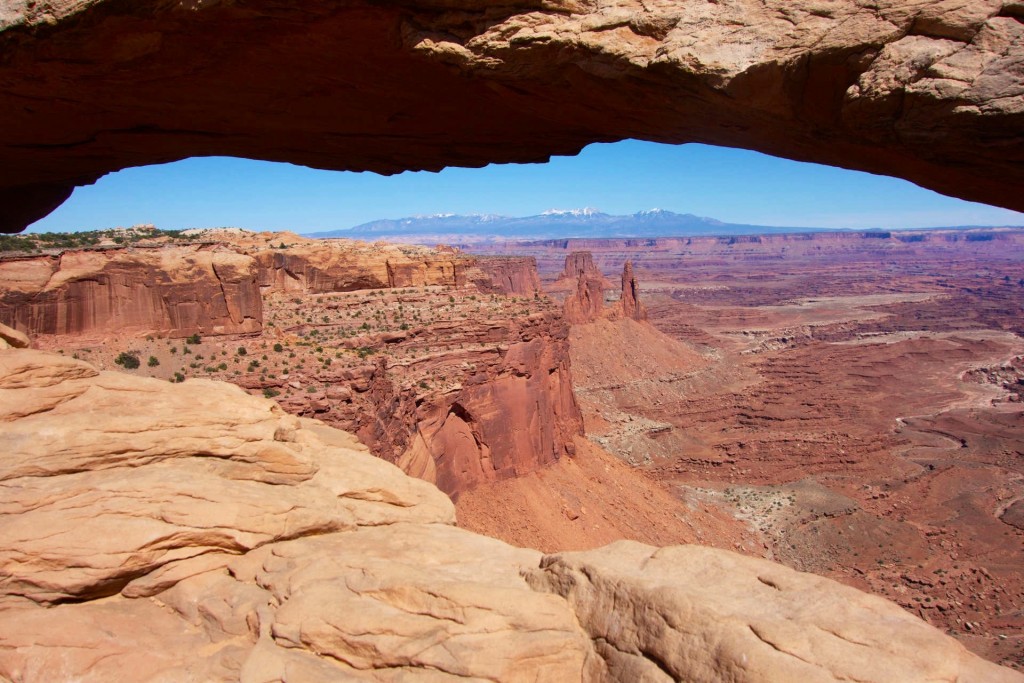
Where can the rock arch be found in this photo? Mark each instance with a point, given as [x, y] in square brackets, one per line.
[929, 91]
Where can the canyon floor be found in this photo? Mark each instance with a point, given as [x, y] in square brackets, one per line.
[862, 414]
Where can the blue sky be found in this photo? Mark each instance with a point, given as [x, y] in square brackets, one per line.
[732, 185]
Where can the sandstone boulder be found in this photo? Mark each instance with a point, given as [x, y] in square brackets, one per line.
[700, 614]
[10, 337]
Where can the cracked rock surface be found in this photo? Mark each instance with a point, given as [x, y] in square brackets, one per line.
[152, 531]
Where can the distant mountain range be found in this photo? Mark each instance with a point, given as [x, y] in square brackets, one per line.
[555, 223]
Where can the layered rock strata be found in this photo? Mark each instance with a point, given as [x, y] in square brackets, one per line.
[167, 291]
[924, 90]
[434, 361]
[291, 264]
[476, 389]
[502, 275]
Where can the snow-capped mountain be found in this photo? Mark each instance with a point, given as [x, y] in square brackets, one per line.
[550, 224]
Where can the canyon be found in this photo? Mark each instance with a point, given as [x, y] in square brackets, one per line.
[854, 397]
[842, 403]
[927, 91]
[431, 357]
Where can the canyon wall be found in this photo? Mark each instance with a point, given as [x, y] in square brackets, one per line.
[314, 266]
[475, 388]
[490, 398]
[169, 291]
[501, 274]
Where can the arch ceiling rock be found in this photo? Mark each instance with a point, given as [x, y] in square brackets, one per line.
[932, 91]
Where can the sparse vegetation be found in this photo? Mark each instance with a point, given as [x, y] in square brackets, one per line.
[128, 360]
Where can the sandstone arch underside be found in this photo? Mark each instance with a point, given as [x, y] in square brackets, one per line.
[929, 91]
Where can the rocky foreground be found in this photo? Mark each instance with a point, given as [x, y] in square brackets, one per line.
[154, 531]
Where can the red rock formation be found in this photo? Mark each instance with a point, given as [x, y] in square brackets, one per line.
[501, 274]
[494, 401]
[188, 532]
[587, 303]
[289, 263]
[928, 91]
[629, 302]
[169, 291]
[577, 263]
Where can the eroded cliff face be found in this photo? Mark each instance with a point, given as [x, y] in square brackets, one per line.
[167, 291]
[481, 392]
[929, 91]
[501, 274]
[292, 264]
[197, 533]
[450, 365]
[586, 304]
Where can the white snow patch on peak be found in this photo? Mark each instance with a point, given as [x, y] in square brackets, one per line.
[586, 211]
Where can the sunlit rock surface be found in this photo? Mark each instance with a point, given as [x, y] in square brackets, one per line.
[161, 532]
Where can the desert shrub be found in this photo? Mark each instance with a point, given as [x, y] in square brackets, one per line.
[270, 392]
[127, 360]
[194, 339]
[153, 362]
[241, 351]
[278, 348]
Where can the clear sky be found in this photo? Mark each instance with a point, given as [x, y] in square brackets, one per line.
[736, 186]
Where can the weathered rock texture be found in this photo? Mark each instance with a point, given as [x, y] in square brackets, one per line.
[930, 91]
[170, 291]
[10, 337]
[501, 274]
[629, 302]
[289, 263]
[493, 398]
[490, 400]
[514, 413]
[197, 533]
[586, 304]
[579, 263]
